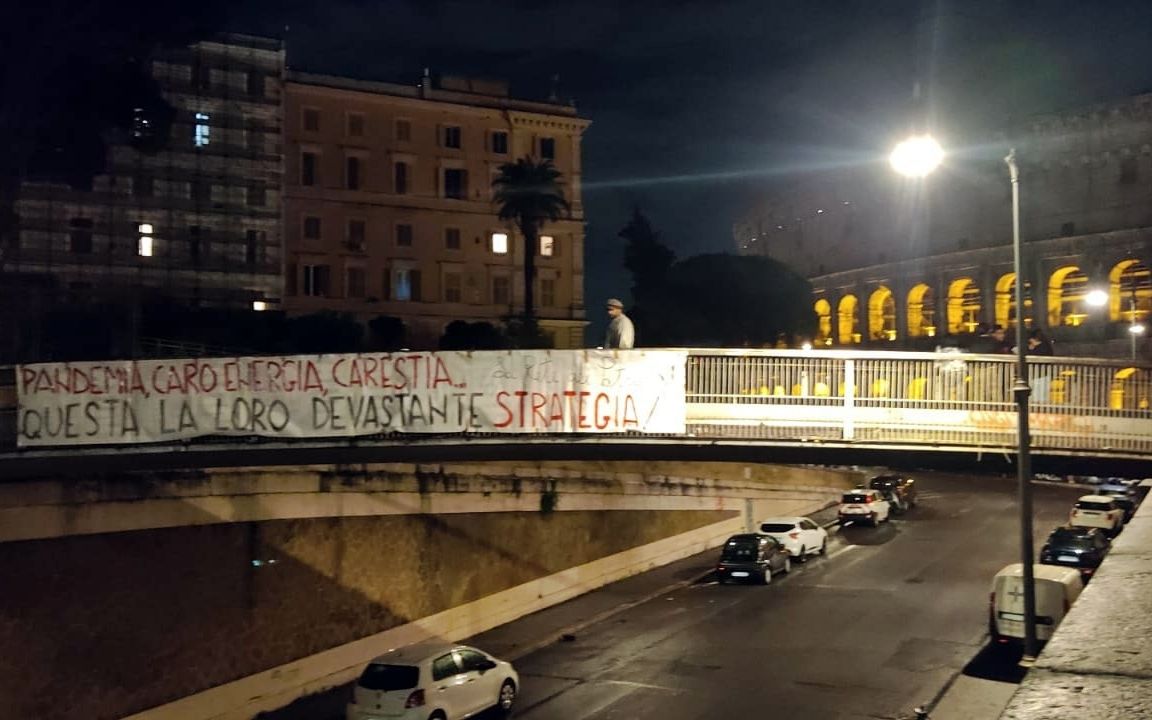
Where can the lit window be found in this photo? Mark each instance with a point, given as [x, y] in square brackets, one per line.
[402, 286]
[547, 245]
[259, 305]
[203, 132]
[144, 246]
[500, 243]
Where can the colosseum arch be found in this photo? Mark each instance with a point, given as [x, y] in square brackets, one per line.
[1129, 291]
[824, 317]
[846, 321]
[963, 305]
[1067, 287]
[881, 315]
[921, 311]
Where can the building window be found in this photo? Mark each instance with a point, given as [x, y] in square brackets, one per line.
[548, 148]
[404, 235]
[452, 238]
[547, 246]
[316, 280]
[144, 244]
[254, 137]
[455, 183]
[201, 75]
[547, 292]
[311, 121]
[355, 125]
[500, 142]
[311, 228]
[80, 236]
[500, 243]
[202, 133]
[354, 282]
[309, 168]
[1129, 171]
[406, 285]
[253, 244]
[202, 192]
[403, 131]
[352, 172]
[290, 280]
[400, 180]
[255, 83]
[1068, 229]
[357, 235]
[195, 242]
[143, 186]
[451, 136]
[453, 287]
[501, 290]
[257, 195]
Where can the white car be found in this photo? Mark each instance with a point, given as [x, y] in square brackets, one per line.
[863, 505]
[1098, 511]
[799, 535]
[433, 681]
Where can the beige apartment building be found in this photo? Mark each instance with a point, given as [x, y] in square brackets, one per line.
[388, 204]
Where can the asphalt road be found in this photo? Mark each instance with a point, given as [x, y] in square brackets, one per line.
[874, 629]
[877, 627]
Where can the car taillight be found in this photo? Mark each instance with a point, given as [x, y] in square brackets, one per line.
[415, 699]
[793, 535]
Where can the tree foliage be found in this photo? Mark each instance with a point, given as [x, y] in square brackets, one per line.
[528, 193]
[645, 256]
[729, 301]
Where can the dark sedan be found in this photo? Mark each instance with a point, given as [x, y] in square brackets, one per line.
[1081, 548]
[752, 557]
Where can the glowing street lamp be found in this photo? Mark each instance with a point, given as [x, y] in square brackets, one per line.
[1097, 298]
[917, 156]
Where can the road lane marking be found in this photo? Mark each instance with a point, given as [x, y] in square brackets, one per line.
[640, 685]
[841, 551]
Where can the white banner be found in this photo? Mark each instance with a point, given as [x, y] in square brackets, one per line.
[313, 396]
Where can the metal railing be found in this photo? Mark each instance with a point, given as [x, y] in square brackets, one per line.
[930, 400]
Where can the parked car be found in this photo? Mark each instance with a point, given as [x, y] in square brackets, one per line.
[1125, 496]
[1081, 548]
[898, 490]
[800, 535]
[863, 505]
[752, 557]
[1056, 588]
[1098, 511]
[433, 680]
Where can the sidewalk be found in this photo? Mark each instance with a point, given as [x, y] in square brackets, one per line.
[970, 698]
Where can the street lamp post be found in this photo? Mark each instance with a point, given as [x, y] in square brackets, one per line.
[917, 157]
[1135, 329]
[1021, 391]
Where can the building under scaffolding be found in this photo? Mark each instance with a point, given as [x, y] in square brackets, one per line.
[187, 212]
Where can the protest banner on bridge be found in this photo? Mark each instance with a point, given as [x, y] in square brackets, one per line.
[317, 396]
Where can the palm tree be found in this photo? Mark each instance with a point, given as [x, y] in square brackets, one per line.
[528, 193]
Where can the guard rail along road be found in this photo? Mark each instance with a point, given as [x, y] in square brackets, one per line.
[888, 399]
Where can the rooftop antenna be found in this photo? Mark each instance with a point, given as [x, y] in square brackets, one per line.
[554, 96]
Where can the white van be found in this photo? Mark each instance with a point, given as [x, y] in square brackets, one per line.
[1056, 589]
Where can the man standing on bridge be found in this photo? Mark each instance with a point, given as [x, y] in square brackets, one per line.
[621, 334]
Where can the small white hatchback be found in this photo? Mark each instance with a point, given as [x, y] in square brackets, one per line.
[433, 681]
[863, 505]
[800, 535]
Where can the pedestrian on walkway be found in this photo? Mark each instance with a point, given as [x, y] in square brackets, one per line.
[621, 335]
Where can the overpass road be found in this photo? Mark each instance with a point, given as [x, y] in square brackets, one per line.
[877, 627]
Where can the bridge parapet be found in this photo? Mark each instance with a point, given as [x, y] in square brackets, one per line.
[924, 400]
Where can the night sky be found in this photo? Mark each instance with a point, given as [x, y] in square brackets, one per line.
[698, 107]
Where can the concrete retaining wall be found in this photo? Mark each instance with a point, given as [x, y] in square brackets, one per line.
[220, 593]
